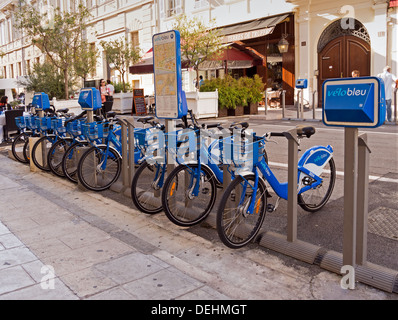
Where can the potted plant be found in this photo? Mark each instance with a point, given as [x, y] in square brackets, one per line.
[252, 89]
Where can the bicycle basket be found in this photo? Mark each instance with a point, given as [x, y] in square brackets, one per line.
[243, 152]
[31, 122]
[75, 127]
[58, 125]
[95, 130]
[21, 122]
[44, 123]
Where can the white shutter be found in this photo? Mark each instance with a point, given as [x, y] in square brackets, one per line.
[178, 7]
[162, 8]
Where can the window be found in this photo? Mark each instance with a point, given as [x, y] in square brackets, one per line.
[12, 70]
[19, 69]
[5, 72]
[201, 4]
[170, 8]
[134, 39]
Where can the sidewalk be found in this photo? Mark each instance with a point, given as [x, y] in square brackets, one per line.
[98, 248]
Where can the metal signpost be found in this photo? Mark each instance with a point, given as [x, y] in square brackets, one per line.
[301, 84]
[354, 103]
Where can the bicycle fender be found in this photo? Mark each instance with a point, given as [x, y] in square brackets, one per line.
[315, 158]
[110, 147]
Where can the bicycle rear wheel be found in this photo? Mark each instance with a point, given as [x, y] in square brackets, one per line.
[56, 154]
[40, 152]
[145, 190]
[315, 199]
[98, 168]
[180, 205]
[18, 147]
[235, 226]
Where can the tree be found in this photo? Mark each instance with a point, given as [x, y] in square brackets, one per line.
[198, 42]
[121, 54]
[85, 60]
[57, 34]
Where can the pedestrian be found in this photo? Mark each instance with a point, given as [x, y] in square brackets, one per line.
[102, 90]
[4, 105]
[201, 81]
[355, 74]
[110, 89]
[389, 83]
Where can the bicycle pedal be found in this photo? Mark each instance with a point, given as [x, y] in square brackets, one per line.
[270, 208]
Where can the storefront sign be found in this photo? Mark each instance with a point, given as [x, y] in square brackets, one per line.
[354, 102]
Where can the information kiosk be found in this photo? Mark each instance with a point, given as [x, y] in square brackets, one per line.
[90, 101]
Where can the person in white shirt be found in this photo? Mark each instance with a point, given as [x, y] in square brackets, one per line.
[389, 83]
[110, 89]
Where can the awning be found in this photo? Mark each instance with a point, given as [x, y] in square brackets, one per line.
[234, 56]
[251, 29]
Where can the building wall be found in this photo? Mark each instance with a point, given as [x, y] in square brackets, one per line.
[312, 18]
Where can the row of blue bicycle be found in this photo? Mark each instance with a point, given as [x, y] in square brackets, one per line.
[186, 188]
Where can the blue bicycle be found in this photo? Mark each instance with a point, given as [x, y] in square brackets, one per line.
[243, 206]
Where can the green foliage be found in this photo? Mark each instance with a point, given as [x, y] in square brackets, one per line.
[60, 35]
[119, 87]
[46, 78]
[121, 54]
[233, 93]
[198, 41]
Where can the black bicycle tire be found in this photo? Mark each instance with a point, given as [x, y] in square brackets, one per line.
[34, 159]
[220, 211]
[13, 148]
[134, 195]
[51, 153]
[80, 165]
[207, 210]
[310, 208]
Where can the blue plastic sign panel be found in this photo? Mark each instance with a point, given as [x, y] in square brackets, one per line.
[41, 101]
[168, 75]
[301, 83]
[354, 102]
[90, 99]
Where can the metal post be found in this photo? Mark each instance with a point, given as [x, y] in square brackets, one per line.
[302, 104]
[362, 201]
[313, 105]
[266, 102]
[291, 135]
[283, 103]
[125, 160]
[395, 105]
[298, 104]
[131, 151]
[350, 195]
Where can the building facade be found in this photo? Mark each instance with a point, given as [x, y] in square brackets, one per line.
[325, 39]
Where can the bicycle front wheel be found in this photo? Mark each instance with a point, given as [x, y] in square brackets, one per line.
[98, 168]
[314, 199]
[18, 147]
[146, 188]
[40, 152]
[70, 160]
[237, 227]
[56, 154]
[180, 203]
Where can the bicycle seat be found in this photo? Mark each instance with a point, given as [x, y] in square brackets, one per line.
[111, 114]
[145, 119]
[65, 110]
[305, 131]
[244, 125]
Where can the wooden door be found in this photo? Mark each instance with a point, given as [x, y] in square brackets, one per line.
[340, 57]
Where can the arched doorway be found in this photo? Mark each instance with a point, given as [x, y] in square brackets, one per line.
[340, 51]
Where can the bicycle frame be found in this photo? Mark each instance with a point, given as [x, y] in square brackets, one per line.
[314, 159]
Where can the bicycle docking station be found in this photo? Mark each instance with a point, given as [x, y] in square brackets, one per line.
[41, 103]
[350, 103]
[90, 101]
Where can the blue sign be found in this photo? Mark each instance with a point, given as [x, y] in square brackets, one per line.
[354, 102]
[301, 83]
[41, 101]
[169, 98]
[90, 99]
